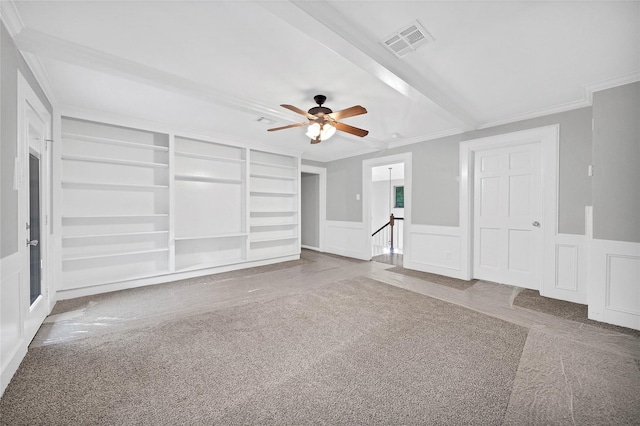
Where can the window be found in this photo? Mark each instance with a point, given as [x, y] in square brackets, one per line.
[399, 197]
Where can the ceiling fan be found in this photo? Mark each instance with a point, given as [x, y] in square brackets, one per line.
[323, 122]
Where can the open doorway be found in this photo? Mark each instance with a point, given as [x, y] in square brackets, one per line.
[387, 206]
[312, 207]
[387, 200]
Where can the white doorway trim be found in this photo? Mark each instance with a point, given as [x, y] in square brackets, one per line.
[322, 214]
[30, 109]
[367, 165]
[548, 137]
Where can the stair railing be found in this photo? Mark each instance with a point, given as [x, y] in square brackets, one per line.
[390, 224]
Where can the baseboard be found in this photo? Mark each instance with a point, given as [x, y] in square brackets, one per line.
[10, 368]
[309, 247]
[128, 284]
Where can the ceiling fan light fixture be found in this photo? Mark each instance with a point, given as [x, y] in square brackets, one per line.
[320, 131]
[313, 131]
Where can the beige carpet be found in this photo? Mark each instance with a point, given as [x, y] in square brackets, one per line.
[434, 278]
[351, 352]
[531, 299]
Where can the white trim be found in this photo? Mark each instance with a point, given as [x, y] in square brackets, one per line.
[548, 136]
[367, 165]
[42, 76]
[424, 138]
[45, 45]
[322, 193]
[11, 17]
[609, 83]
[569, 106]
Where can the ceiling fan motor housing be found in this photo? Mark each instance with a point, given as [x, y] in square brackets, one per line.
[320, 99]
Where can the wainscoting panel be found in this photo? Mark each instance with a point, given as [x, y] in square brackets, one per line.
[347, 239]
[12, 341]
[565, 269]
[435, 249]
[614, 285]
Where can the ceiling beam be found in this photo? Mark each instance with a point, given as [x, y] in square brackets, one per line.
[324, 23]
[46, 46]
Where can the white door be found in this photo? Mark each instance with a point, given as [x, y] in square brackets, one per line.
[507, 216]
[34, 218]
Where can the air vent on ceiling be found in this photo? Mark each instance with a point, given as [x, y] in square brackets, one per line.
[407, 39]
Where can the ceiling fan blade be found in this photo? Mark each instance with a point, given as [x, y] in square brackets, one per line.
[350, 129]
[299, 111]
[289, 126]
[348, 112]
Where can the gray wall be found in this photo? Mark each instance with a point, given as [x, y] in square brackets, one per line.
[435, 174]
[10, 62]
[310, 207]
[616, 163]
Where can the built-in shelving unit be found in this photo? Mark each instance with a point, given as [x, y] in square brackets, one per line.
[274, 204]
[139, 204]
[210, 187]
[115, 203]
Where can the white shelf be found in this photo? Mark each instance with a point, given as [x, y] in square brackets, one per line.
[123, 234]
[113, 161]
[105, 255]
[264, 240]
[272, 194]
[126, 186]
[208, 157]
[280, 166]
[209, 265]
[115, 216]
[263, 212]
[114, 142]
[276, 177]
[208, 237]
[270, 225]
[191, 178]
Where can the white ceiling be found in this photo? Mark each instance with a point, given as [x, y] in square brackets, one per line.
[215, 67]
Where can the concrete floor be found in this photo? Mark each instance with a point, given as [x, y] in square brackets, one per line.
[569, 373]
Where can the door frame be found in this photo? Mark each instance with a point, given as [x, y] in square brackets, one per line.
[29, 103]
[548, 137]
[367, 188]
[322, 203]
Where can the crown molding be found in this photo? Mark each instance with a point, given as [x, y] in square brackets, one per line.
[424, 138]
[11, 17]
[42, 77]
[621, 80]
[46, 46]
[582, 103]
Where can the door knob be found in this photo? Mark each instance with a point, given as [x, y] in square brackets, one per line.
[536, 224]
[32, 243]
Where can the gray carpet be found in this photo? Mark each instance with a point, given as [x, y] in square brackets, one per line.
[434, 278]
[531, 299]
[351, 352]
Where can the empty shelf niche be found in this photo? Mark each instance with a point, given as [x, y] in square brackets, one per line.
[91, 270]
[201, 161]
[203, 253]
[101, 153]
[274, 247]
